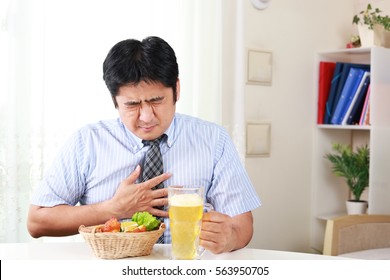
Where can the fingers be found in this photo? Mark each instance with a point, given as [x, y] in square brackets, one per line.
[159, 193]
[216, 231]
[214, 242]
[156, 180]
[209, 228]
[131, 179]
[209, 245]
[215, 217]
[133, 176]
[132, 197]
[158, 212]
[159, 202]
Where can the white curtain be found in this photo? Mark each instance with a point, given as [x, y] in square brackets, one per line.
[51, 54]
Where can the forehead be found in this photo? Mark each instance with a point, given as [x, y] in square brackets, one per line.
[143, 90]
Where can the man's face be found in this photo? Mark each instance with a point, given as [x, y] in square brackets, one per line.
[146, 109]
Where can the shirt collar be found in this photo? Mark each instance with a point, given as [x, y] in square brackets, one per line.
[135, 143]
[170, 132]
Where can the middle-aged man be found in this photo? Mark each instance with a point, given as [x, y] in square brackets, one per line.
[98, 173]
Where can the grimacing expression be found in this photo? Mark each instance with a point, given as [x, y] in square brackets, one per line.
[147, 109]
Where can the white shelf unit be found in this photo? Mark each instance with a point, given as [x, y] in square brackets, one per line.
[329, 192]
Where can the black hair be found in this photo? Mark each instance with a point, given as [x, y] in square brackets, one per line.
[131, 61]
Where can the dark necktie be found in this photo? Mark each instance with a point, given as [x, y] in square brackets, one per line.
[153, 166]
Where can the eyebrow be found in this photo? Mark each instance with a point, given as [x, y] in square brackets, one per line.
[132, 103]
[138, 102]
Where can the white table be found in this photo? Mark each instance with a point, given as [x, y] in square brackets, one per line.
[67, 260]
[81, 251]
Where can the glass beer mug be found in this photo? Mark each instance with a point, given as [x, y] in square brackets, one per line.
[186, 209]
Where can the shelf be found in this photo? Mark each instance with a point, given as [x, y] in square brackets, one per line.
[329, 192]
[356, 55]
[350, 127]
[347, 51]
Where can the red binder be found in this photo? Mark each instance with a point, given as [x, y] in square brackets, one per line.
[326, 72]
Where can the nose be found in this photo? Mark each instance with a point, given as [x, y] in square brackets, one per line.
[146, 113]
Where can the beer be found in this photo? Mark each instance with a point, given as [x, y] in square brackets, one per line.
[185, 214]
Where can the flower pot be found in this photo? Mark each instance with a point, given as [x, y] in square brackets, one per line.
[356, 207]
[381, 36]
[366, 36]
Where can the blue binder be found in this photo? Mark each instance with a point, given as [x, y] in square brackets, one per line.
[350, 87]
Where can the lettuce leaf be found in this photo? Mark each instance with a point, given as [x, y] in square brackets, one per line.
[146, 219]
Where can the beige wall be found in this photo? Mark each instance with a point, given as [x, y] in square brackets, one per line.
[294, 31]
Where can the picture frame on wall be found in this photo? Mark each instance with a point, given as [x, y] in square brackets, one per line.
[258, 139]
[259, 67]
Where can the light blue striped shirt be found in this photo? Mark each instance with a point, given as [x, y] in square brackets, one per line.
[98, 157]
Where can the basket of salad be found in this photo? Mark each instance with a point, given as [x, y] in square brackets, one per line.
[124, 238]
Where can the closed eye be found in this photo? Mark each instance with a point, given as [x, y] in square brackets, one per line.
[136, 104]
[132, 104]
[155, 100]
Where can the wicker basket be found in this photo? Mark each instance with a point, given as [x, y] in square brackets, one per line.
[110, 245]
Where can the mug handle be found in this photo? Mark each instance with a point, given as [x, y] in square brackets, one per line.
[207, 207]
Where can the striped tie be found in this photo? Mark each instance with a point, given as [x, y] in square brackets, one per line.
[153, 166]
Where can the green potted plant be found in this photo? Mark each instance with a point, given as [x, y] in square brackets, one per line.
[353, 166]
[374, 28]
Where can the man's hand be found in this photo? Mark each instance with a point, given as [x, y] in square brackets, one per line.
[130, 197]
[222, 233]
[62, 220]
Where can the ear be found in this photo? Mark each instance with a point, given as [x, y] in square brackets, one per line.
[177, 89]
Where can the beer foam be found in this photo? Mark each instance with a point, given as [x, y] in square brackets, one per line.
[186, 200]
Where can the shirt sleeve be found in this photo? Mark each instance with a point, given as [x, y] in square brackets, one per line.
[64, 181]
[231, 191]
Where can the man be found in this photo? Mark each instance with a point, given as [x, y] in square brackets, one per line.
[100, 167]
